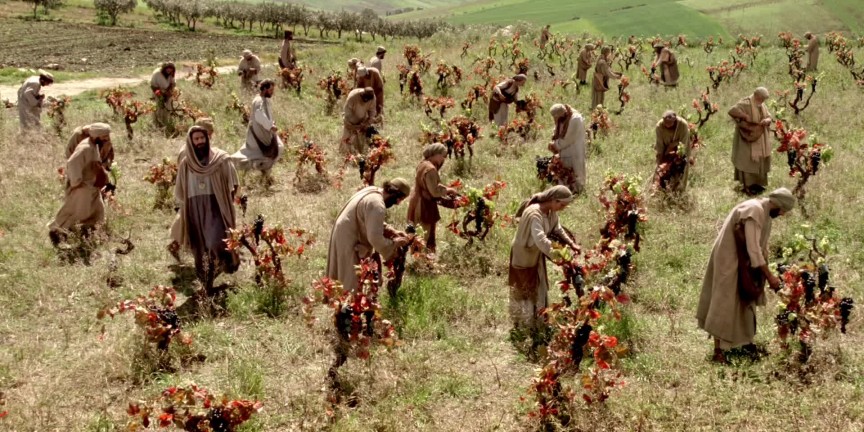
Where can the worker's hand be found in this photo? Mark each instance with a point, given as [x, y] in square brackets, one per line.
[451, 191]
[274, 129]
[401, 241]
[774, 282]
[552, 147]
[766, 121]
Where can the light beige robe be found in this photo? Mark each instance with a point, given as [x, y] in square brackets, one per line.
[751, 164]
[83, 203]
[356, 117]
[249, 71]
[287, 54]
[30, 104]
[376, 63]
[251, 156]
[357, 233]
[667, 142]
[813, 54]
[158, 81]
[78, 135]
[721, 312]
[571, 150]
[505, 91]
[373, 79]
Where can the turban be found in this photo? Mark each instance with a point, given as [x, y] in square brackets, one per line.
[206, 123]
[520, 77]
[353, 62]
[362, 71]
[99, 130]
[434, 149]
[659, 45]
[380, 50]
[558, 110]
[560, 193]
[762, 92]
[670, 113]
[398, 184]
[247, 53]
[605, 50]
[589, 47]
[46, 75]
[783, 199]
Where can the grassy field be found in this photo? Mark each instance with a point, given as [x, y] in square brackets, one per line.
[455, 369]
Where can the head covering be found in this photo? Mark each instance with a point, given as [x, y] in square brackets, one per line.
[380, 50]
[589, 46]
[206, 123]
[289, 34]
[808, 35]
[362, 71]
[399, 184]
[783, 198]
[266, 84]
[562, 115]
[353, 62]
[560, 193]
[762, 92]
[99, 130]
[434, 149]
[558, 110]
[605, 50]
[46, 75]
[668, 113]
[166, 65]
[247, 53]
[520, 77]
[368, 91]
[659, 45]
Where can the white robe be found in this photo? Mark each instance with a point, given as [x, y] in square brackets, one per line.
[29, 104]
[251, 156]
[571, 149]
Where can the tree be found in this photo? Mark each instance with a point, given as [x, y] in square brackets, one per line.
[112, 8]
[46, 5]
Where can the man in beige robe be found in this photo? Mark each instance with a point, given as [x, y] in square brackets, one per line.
[568, 142]
[204, 192]
[673, 139]
[85, 178]
[376, 61]
[162, 84]
[263, 146]
[30, 99]
[371, 77]
[751, 147]
[584, 62]
[287, 54]
[360, 231]
[249, 69]
[353, 65]
[99, 130]
[359, 113]
[504, 94]
[666, 64]
[602, 74]
[207, 124]
[722, 312]
[423, 202]
[812, 51]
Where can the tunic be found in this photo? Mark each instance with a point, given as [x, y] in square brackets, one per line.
[583, 64]
[258, 152]
[376, 63]
[248, 77]
[84, 180]
[503, 95]
[287, 55]
[751, 164]
[373, 79]
[721, 311]
[666, 147]
[571, 150]
[423, 202]
[30, 103]
[158, 81]
[602, 74]
[668, 64]
[527, 252]
[106, 153]
[812, 54]
[356, 117]
[357, 233]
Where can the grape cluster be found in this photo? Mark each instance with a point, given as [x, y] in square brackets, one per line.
[217, 421]
[543, 168]
[258, 228]
[577, 349]
[846, 306]
[809, 287]
[815, 158]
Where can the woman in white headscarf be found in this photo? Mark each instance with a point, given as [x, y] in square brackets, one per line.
[568, 141]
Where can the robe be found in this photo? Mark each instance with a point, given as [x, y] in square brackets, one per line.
[30, 104]
[528, 252]
[571, 150]
[248, 77]
[751, 164]
[356, 117]
[812, 54]
[503, 95]
[158, 81]
[586, 58]
[602, 73]
[423, 201]
[106, 153]
[287, 55]
[258, 153]
[357, 233]
[373, 79]
[721, 311]
[666, 146]
[544, 37]
[667, 62]
[376, 63]
[84, 180]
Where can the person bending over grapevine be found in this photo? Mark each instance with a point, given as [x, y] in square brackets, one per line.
[371, 77]
[666, 64]
[162, 85]
[30, 99]
[586, 59]
[359, 113]
[98, 130]
[751, 149]
[504, 94]
[538, 221]
[737, 271]
[568, 141]
[423, 203]
[248, 69]
[672, 147]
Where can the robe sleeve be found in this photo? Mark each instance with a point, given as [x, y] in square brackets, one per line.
[75, 169]
[538, 235]
[659, 144]
[433, 184]
[375, 214]
[685, 136]
[31, 96]
[753, 235]
[261, 118]
[372, 109]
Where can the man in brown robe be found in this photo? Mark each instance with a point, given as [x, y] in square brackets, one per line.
[740, 256]
[602, 74]
[248, 69]
[287, 54]
[85, 178]
[666, 64]
[162, 84]
[812, 51]
[100, 130]
[371, 77]
[376, 61]
[584, 62]
[504, 94]
[30, 99]
[751, 148]
[359, 113]
[204, 192]
[673, 139]
[360, 231]
[544, 37]
[423, 202]
[263, 146]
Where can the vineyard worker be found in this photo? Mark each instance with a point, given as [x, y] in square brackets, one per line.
[360, 230]
[162, 84]
[102, 130]
[751, 149]
[544, 37]
[667, 63]
[30, 100]
[205, 123]
[503, 95]
[204, 192]
[287, 54]
[538, 220]
[353, 65]
[584, 62]
[602, 74]
[423, 202]
[85, 178]
[371, 77]
[250, 66]
[376, 61]
[673, 132]
[812, 51]
[263, 146]
[568, 141]
[722, 312]
[359, 114]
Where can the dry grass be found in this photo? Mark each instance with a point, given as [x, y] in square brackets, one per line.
[455, 369]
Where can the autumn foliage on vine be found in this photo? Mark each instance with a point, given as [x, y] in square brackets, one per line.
[123, 105]
[162, 175]
[205, 76]
[191, 409]
[56, 111]
[624, 209]
[292, 78]
[724, 72]
[477, 208]
[804, 156]
[155, 313]
[380, 153]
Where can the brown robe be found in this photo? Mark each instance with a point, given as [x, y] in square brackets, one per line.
[357, 233]
[30, 103]
[503, 95]
[423, 202]
[721, 312]
[584, 62]
[356, 117]
[373, 79]
[84, 180]
[667, 62]
[602, 74]
[666, 147]
[106, 153]
[812, 54]
[751, 158]
[544, 37]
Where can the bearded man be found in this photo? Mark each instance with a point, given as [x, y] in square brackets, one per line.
[371, 77]
[248, 69]
[376, 62]
[358, 115]
[30, 99]
[263, 146]
[162, 84]
[673, 141]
